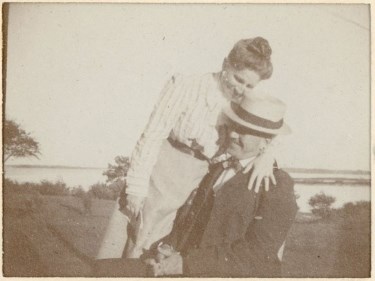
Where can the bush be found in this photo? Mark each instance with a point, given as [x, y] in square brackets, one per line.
[103, 191]
[356, 209]
[58, 188]
[16, 187]
[78, 191]
[321, 205]
[45, 187]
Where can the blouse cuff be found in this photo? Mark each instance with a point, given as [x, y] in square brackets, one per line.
[136, 189]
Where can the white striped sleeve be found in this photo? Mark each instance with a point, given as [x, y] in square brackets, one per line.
[166, 113]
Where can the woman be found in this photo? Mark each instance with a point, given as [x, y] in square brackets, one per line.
[181, 138]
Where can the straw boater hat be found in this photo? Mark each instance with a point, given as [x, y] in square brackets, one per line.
[262, 114]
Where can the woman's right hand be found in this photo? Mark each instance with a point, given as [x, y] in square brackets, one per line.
[133, 206]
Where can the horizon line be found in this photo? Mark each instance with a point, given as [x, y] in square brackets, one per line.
[51, 166]
[289, 169]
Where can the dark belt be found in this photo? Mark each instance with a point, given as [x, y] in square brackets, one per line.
[184, 148]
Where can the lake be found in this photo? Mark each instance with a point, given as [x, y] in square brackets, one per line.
[86, 177]
[342, 193]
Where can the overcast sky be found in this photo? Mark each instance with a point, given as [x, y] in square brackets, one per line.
[83, 78]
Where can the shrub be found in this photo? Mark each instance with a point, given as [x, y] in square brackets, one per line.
[45, 187]
[78, 191]
[321, 205]
[116, 187]
[58, 188]
[103, 191]
[356, 209]
[16, 187]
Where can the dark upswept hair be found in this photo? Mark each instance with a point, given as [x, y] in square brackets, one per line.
[254, 54]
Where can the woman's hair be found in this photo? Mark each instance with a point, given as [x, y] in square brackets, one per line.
[254, 54]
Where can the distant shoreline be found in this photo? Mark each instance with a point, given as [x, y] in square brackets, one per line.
[300, 176]
[289, 170]
[326, 171]
[55, 167]
[328, 181]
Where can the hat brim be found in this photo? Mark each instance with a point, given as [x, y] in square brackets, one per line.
[283, 130]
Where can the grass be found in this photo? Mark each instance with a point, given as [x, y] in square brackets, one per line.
[56, 236]
[355, 256]
[334, 247]
[311, 250]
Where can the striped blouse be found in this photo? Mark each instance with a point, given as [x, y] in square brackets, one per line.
[189, 107]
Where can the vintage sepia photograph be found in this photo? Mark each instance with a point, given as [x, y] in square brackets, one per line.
[186, 140]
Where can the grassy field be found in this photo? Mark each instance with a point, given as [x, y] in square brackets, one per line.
[55, 236]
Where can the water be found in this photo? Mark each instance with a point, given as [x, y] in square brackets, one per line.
[342, 193]
[88, 177]
[332, 175]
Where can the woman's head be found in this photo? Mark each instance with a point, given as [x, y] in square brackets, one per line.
[247, 64]
[253, 54]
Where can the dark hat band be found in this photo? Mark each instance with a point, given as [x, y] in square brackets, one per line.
[242, 130]
[255, 120]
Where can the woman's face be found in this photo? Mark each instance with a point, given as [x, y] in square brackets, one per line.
[235, 84]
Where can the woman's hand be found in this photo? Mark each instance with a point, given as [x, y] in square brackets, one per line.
[171, 265]
[133, 205]
[164, 251]
[263, 170]
[154, 264]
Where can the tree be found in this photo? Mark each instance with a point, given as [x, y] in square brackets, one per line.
[118, 171]
[321, 204]
[17, 142]
[115, 179]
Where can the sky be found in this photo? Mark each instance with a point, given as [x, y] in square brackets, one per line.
[83, 78]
